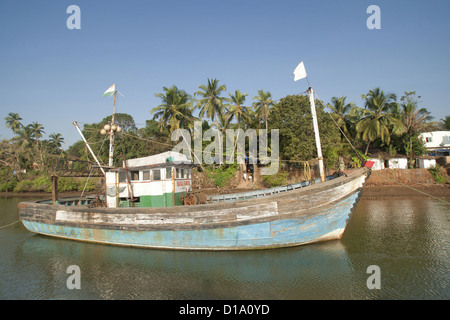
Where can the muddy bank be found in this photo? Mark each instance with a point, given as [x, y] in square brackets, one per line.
[399, 191]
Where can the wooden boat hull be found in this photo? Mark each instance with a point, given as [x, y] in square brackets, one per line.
[316, 213]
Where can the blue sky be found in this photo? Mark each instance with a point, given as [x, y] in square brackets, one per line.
[54, 75]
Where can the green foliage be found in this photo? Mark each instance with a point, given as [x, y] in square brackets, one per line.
[437, 174]
[9, 185]
[42, 183]
[292, 116]
[276, 180]
[23, 186]
[357, 158]
[221, 175]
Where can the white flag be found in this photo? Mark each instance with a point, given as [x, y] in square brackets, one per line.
[111, 90]
[300, 72]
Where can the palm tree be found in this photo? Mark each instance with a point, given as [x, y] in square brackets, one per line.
[175, 111]
[414, 118]
[56, 139]
[238, 111]
[13, 122]
[212, 104]
[340, 111]
[378, 121]
[263, 104]
[446, 122]
[37, 130]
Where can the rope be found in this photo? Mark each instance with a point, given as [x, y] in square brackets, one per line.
[307, 171]
[427, 194]
[8, 225]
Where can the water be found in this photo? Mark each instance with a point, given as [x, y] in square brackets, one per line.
[408, 239]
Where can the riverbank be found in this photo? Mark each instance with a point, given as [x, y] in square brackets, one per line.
[404, 183]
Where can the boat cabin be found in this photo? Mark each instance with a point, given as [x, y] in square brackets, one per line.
[156, 181]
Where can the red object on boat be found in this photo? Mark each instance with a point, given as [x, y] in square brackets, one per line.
[369, 164]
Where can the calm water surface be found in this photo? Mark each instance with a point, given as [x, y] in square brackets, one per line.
[408, 239]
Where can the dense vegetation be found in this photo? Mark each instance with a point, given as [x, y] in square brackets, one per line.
[383, 122]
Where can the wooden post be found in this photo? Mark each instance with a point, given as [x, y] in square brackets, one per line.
[54, 189]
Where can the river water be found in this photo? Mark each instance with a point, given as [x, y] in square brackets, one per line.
[408, 239]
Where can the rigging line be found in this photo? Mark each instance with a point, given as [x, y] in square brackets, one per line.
[427, 194]
[223, 154]
[8, 225]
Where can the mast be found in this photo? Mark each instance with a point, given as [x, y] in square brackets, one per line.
[111, 135]
[316, 134]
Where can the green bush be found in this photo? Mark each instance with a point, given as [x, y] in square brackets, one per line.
[24, 186]
[9, 186]
[221, 175]
[437, 174]
[42, 183]
[67, 184]
[276, 180]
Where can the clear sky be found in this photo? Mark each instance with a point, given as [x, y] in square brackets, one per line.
[54, 75]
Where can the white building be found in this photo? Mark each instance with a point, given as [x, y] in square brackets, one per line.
[425, 162]
[378, 164]
[396, 163]
[437, 143]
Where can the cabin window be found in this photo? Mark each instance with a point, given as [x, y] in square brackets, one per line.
[177, 175]
[188, 173]
[156, 175]
[122, 177]
[428, 139]
[134, 175]
[146, 175]
[169, 173]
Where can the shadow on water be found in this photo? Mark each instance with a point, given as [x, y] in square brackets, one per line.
[109, 272]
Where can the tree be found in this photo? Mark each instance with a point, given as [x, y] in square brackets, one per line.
[56, 139]
[37, 130]
[292, 116]
[263, 104]
[212, 104]
[414, 118]
[175, 111]
[378, 121]
[237, 110]
[446, 122]
[340, 111]
[13, 122]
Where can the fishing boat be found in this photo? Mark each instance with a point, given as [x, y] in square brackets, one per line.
[146, 207]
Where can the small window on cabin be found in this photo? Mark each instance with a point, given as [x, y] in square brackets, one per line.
[156, 175]
[169, 173]
[428, 139]
[134, 175]
[177, 170]
[122, 177]
[188, 173]
[146, 175]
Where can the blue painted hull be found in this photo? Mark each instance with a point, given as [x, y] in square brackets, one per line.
[279, 233]
[291, 219]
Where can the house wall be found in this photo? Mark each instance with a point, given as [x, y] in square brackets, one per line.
[397, 163]
[426, 163]
[436, 139]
